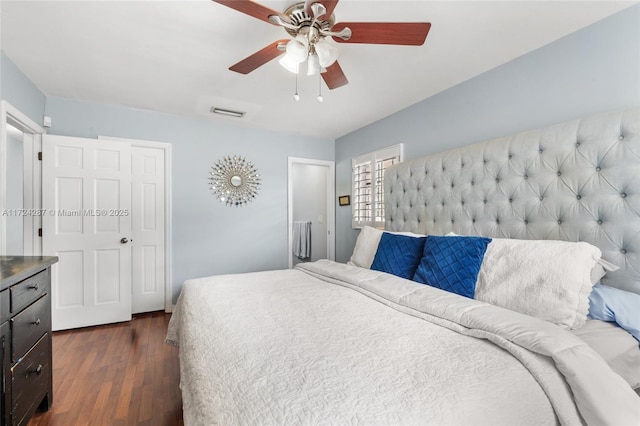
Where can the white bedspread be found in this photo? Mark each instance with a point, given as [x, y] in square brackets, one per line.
[329, 343]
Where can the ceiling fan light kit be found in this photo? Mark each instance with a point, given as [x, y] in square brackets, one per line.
[309, 24]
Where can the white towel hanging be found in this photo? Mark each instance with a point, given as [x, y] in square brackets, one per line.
[302, 239]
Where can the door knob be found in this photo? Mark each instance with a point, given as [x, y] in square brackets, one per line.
[124, 240]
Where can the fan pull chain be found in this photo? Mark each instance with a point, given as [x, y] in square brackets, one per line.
[296, 97]
[320, 98]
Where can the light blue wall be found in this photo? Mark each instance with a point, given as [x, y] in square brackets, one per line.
[592, 70]
[208, 237]
[19, 91]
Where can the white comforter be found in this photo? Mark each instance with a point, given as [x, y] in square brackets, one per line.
[329, 343]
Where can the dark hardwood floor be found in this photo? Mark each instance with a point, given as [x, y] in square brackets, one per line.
[117, 374]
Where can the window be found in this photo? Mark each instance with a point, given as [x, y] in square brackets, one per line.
[367, 175]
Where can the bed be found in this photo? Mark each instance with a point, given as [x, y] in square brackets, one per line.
[471, 307]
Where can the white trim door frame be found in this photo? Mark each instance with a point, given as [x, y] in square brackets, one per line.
[166, 147]
[32, 178]
[331, 204]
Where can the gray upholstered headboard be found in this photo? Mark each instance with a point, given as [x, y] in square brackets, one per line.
[575, 181]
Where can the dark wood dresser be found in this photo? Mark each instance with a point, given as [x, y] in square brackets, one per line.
[25, 330]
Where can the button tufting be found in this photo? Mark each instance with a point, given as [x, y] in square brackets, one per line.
[598, 169]
[540, 150]
[526, 222]
[577, 144]
[510, 156]
[462, 202]
[511, 200]
[599, 222]
[559, 222]
[621, 137]
[484, 201]
[452, 185]
[453, 221]
[623, 195]
[498, 221]
[623, 251]
[541, 198]
[559, 174]
[579, 197]
[473, 221]
[497, 179]
[526, 177]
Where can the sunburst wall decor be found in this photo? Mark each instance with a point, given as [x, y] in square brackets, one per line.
[234, 181]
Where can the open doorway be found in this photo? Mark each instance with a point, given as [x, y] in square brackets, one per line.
[20, 183]
[311, 193]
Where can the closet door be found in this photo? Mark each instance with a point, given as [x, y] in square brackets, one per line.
[148, 229]
[86, 197]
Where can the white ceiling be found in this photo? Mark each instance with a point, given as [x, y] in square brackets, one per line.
[173, 56]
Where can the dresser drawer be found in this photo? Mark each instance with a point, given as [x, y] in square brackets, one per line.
[25, 292]
[30, 381]
[5, 305]
[28, 326]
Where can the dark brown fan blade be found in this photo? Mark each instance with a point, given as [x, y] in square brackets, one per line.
[259, 58]
[402, 33]
[253, 9]
[334, 77]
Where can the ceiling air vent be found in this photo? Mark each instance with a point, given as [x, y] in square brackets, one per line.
[227, 112]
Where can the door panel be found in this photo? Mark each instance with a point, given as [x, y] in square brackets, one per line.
[87, 199]
[148, 222]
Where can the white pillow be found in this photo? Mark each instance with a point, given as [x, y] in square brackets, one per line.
[367, 244]
[599, 270]
[546, 279]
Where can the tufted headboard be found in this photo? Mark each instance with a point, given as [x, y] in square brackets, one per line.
[575, 181]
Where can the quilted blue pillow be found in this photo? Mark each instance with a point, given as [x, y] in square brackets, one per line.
[398, 254]
[452, 263]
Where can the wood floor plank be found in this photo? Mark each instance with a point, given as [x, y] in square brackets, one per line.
[116, 374]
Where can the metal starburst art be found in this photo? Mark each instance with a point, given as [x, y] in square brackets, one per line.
[234, 181]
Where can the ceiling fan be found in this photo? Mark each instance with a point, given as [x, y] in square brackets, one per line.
[309, 23]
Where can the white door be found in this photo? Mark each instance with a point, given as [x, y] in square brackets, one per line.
[148, 221]
[86, 196]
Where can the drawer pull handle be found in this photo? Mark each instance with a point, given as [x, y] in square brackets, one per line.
[36, 322]
[37, 371]
[34, 287]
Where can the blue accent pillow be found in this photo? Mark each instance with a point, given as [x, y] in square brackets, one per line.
[452, 263]
[612, 304]
[398, 254]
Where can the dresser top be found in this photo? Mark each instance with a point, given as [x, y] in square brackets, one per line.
[16, 268]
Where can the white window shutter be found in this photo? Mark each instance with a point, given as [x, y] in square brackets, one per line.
[368, 185]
